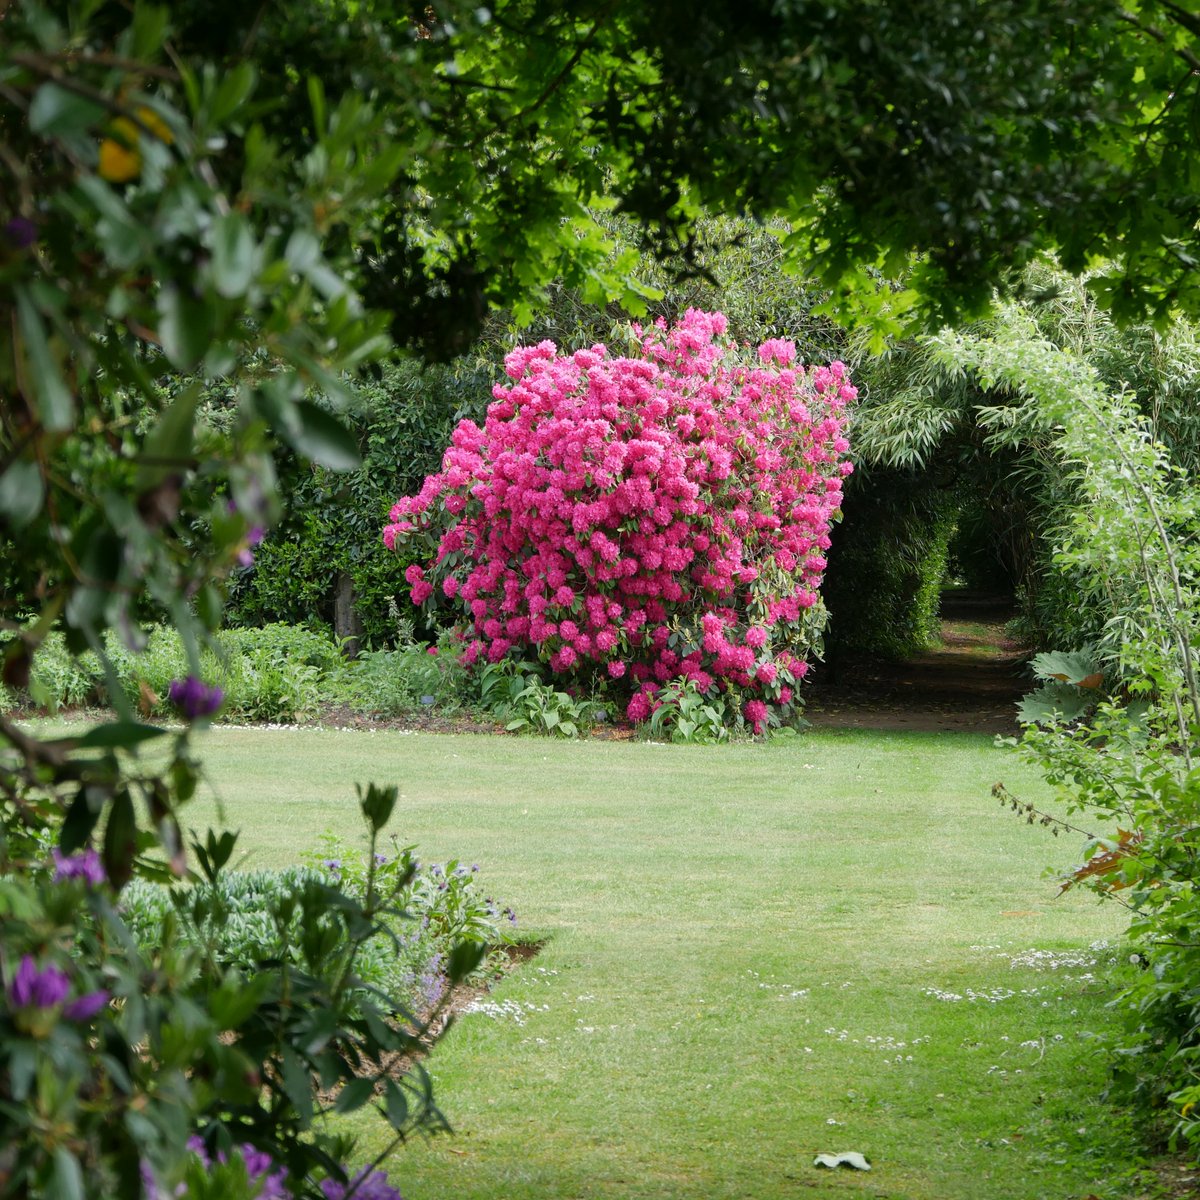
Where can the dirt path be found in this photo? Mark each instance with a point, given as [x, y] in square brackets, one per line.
[970, 683]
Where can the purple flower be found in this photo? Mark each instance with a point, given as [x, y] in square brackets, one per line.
[86, 1007]
[380, 859]
[194, 698]
[31, 988]
[332, 864]
[433, 981]
[367, 1184]
[245, 555]
[85, 865]
[20, 233]
[260, 1169]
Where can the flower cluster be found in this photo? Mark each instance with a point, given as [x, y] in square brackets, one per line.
[85, 865]
[194, 698]
[36, 996]
[269, 1180]
[648, 517]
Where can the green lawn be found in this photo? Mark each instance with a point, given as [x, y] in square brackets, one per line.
[751, 953]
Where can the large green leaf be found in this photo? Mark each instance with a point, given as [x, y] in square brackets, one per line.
[233, 255]
[322, 437]
[168, 446]
[186, 326]
[21, 492]
[57, 112]
[46, 383]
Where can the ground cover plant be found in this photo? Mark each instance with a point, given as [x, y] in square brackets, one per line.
[276, 673]
[246, 919]
[660, 513]
[754, 953]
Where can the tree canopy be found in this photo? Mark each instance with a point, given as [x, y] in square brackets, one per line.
[973, 135]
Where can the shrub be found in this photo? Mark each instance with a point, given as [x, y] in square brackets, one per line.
[388, 682]
[669, 510]
[248, 920]
[1129, 756]
[230, 1018]
[538, 707]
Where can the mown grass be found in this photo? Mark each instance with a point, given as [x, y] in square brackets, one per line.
[744, 950]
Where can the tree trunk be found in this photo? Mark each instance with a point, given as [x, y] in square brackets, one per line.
[346, 623]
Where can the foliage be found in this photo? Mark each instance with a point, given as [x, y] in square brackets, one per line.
[1133, 544]
[929, 419]
[889, 563]
[276, 673]
[668, 510]
[1069, 688]
[975, 134]
[389, 682]
[154, 225]
[249, 920]
[401, 423]
[272, 1044]
[684, 714]
[537, 707]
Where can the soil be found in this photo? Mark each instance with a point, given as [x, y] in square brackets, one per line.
[971, 682]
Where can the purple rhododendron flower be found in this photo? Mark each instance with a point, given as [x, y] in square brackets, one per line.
[85, 865]
[367, 1184]
[31, 988]
[194, 698]
[260, 1169]
[86, 1007]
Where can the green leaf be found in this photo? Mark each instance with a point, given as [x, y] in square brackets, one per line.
[119, 735]
[323, 438]
[1053, 702]
[120, 840]
[464, 958]
[297, 1084]
[168, 446]
[354, 1095]
[22, 1064]
[149, 30]
[237, 998]
[57, 112]
[21, 492]
[397, 1104]
[81, 819]
[234, 90]
[1066, 668]
[233, 255]
[66, 1177]
[377, 804]
[186, 326]
[47, 384]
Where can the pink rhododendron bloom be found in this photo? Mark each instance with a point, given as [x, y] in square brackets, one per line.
[623, 516]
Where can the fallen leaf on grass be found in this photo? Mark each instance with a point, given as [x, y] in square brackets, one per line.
[848, 1158]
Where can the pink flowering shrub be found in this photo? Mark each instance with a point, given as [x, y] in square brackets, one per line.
[642, 518]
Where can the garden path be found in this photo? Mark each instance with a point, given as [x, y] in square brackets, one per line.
[971, 682]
